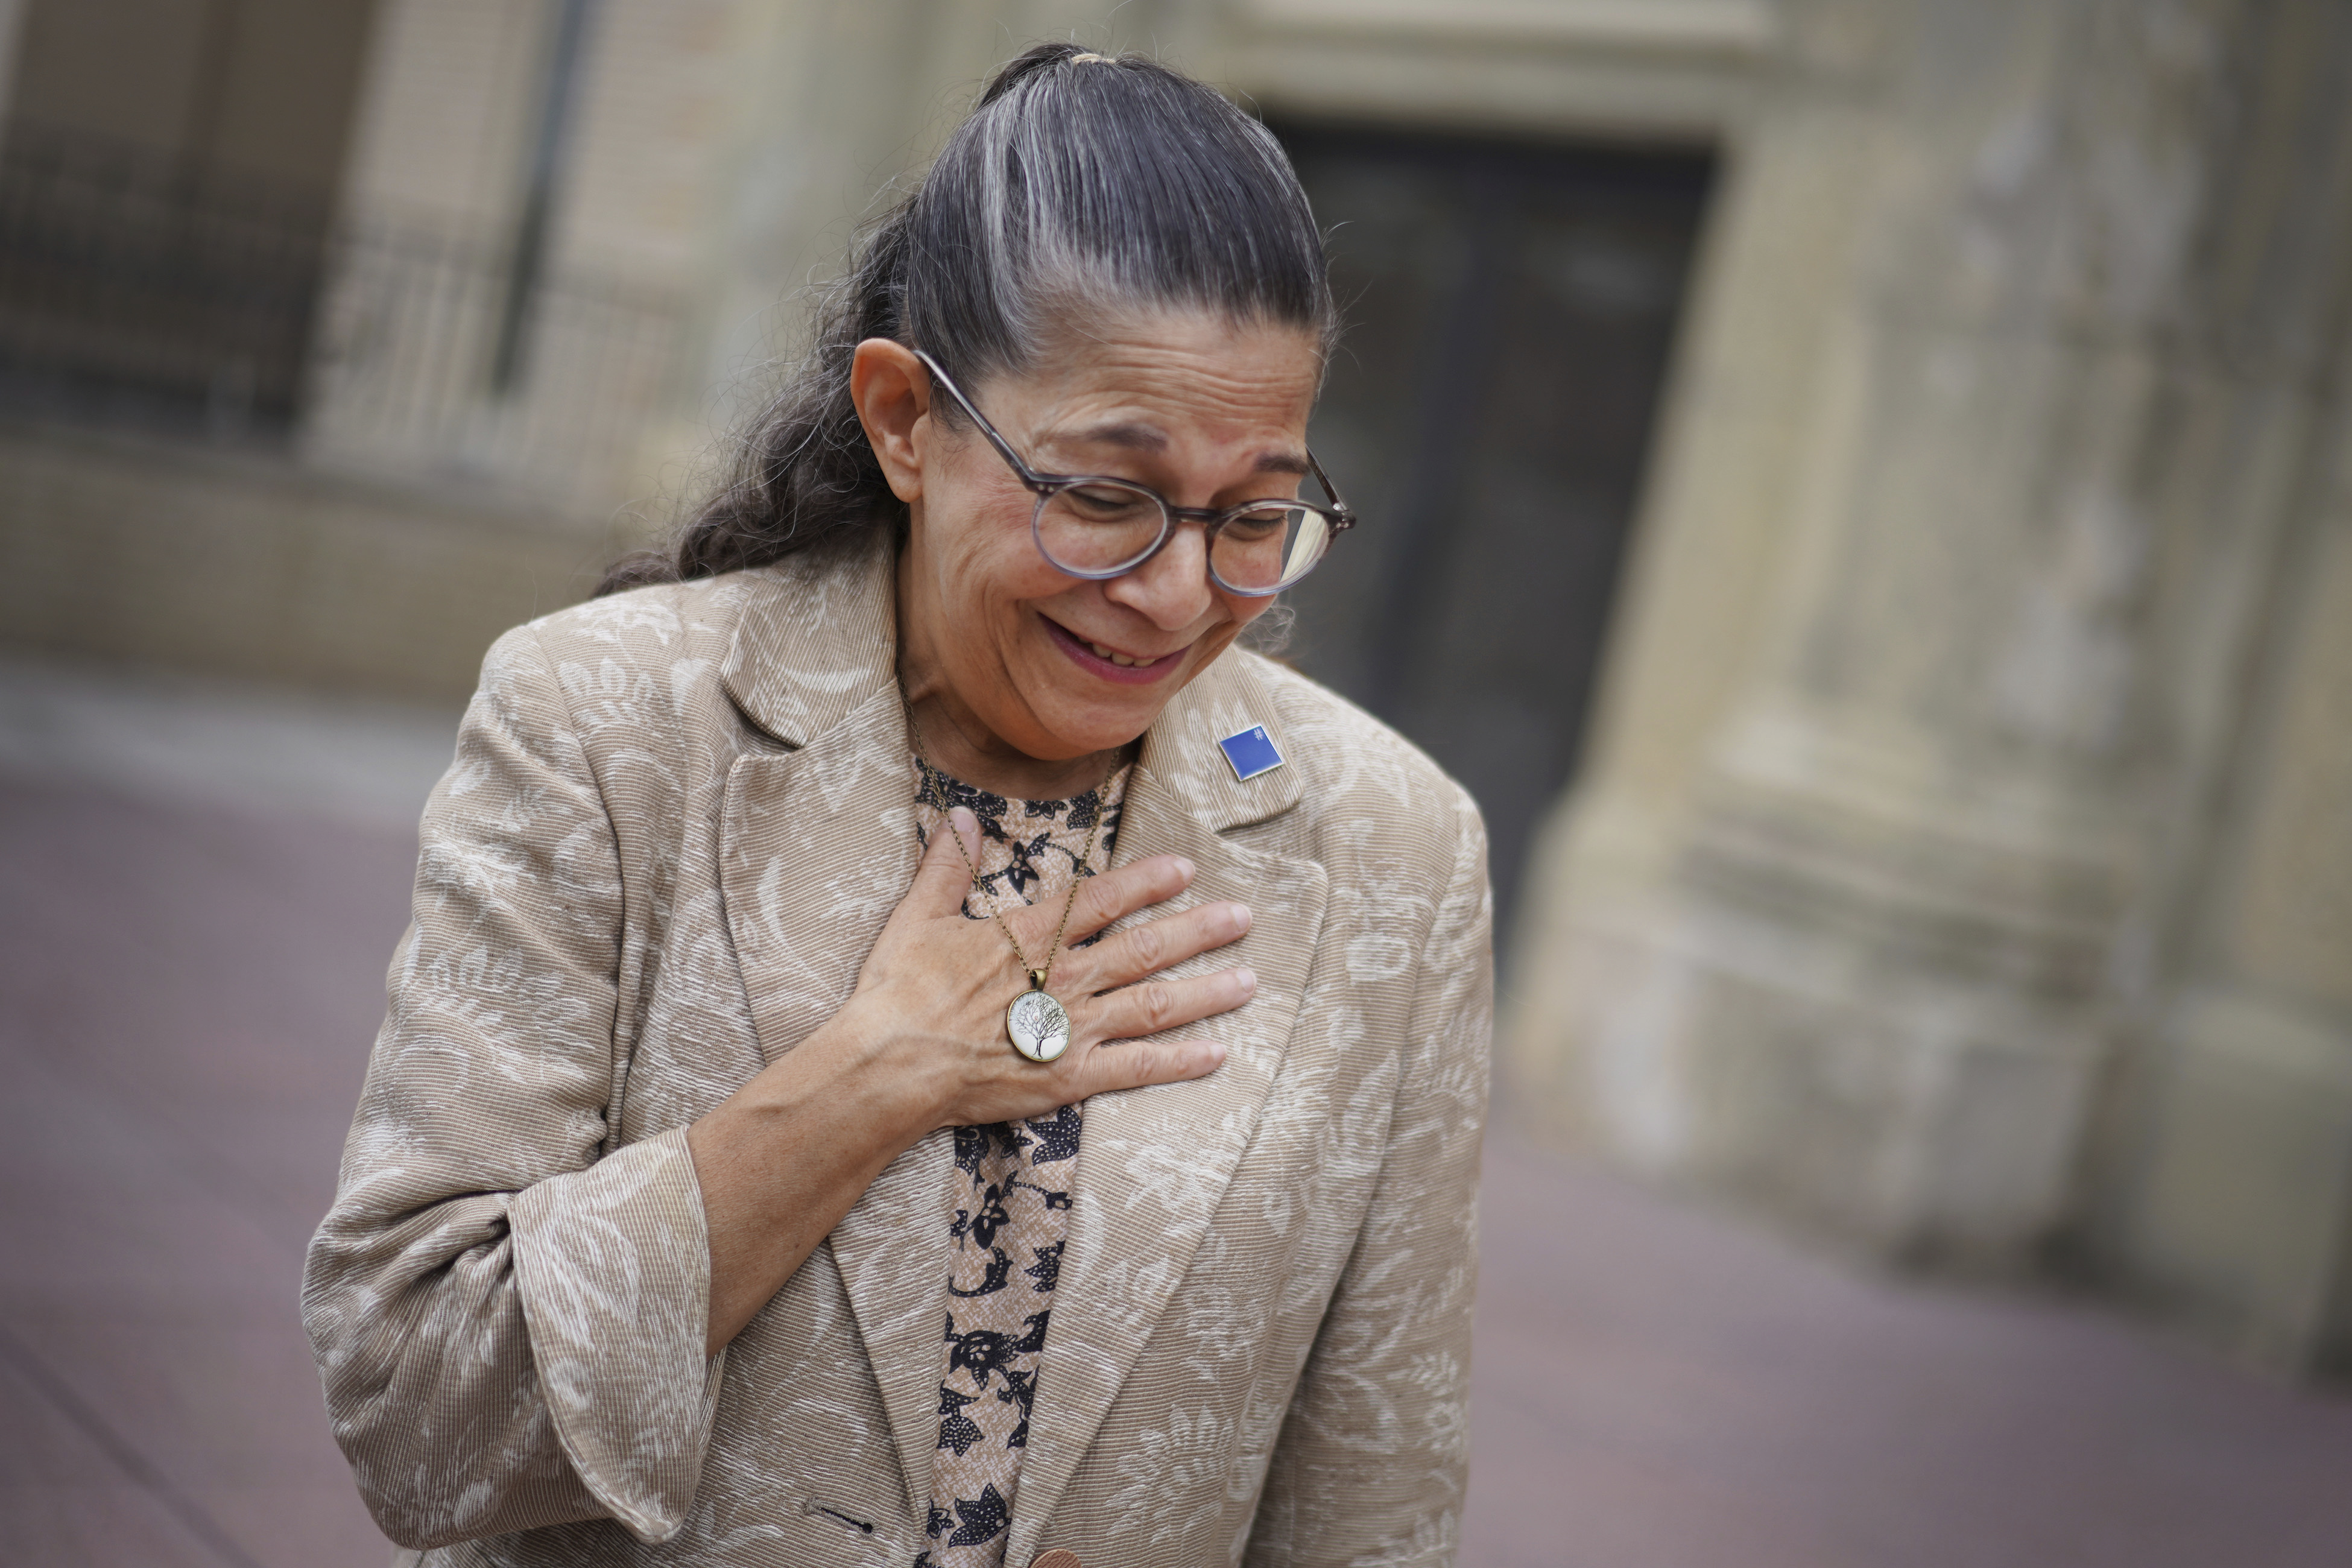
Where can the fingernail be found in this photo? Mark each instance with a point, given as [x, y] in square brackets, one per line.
[1240, 915]
[1184, 868]
[1216, 1054]
[1245, 978]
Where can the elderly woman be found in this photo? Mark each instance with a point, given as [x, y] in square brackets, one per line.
[914, 1049]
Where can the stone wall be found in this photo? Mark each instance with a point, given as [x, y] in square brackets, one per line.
[124, 549]
[1935, 897]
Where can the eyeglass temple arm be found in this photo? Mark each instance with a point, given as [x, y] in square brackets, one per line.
[1029, 476]
[1348, 518]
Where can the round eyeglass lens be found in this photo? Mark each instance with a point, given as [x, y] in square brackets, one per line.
[1098, 527]
[1268, 548]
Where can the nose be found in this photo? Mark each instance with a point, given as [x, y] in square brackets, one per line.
[1171, 589]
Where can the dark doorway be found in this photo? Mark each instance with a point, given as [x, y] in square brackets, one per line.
[1511, 310]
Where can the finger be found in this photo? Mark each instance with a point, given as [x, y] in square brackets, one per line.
[1158, 1005]
[945, 875]
[1144, 950]
[1104, 899]
[1133, 1064]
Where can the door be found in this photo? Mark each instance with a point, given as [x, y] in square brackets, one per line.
[1511, 311]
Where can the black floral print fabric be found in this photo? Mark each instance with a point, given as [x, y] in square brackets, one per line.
[1010, 1203]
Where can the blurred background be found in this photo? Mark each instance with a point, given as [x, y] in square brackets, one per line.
[1855, 486]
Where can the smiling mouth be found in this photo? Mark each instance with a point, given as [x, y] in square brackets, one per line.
[1123, 660]
[1131, 665]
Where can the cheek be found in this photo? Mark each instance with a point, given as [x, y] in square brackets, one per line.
[1242, 611]
[1007, 579]
[985, 560]
[1231, 615]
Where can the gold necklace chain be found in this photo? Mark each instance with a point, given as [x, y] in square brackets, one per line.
[1079, 870]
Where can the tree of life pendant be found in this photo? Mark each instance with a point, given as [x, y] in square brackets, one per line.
[1040, 1029]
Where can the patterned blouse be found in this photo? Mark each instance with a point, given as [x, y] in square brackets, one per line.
[1011, 1197]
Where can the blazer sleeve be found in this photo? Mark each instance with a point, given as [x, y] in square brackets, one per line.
[508, 1319]
[1374, 1454]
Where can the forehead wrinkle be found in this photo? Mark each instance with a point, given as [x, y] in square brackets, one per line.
[1254, 399]
[1140, 438]
[1130, 434]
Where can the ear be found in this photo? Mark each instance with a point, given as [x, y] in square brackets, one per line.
[892, 393]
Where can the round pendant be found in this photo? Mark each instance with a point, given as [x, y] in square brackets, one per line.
[1040, 1029]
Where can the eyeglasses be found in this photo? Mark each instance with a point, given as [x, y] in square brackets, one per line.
[1096, 527]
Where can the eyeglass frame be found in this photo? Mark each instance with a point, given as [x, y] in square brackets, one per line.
[1044, 486]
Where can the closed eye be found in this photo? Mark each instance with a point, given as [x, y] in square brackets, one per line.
[1107, 503]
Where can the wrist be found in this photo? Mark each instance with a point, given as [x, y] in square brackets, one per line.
[847, 1068]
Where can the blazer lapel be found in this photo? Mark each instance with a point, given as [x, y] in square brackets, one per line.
[818, 848]
[1154, 1164]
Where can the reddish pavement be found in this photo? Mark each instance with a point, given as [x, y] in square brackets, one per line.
[186, 996]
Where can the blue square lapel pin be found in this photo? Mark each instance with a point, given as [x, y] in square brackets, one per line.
[1250, 753]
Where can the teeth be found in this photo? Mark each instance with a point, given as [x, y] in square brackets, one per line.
[1117, 658]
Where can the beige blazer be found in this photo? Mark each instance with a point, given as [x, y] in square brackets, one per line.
[676, 821]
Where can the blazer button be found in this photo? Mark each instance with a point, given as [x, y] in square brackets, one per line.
[1057, 1558]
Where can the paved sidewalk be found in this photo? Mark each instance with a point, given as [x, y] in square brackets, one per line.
[191, 954]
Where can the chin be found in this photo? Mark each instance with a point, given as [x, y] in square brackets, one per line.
[1084, 727]
[1082, 715]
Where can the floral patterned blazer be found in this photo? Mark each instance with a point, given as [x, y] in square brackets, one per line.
[676, 821]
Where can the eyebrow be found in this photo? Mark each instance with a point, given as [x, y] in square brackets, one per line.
[1140, 438]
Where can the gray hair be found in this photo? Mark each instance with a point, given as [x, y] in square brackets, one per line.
[1080, 181]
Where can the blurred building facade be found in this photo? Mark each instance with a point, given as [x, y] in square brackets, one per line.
[1964, 865]
[334, 335]
[1908, 427]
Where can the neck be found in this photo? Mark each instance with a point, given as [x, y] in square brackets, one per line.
[953, 740]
